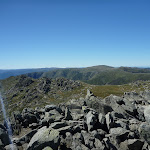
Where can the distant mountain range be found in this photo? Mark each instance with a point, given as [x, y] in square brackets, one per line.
[98, 75]
[5, 73]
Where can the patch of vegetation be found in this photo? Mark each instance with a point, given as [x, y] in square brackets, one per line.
[106, 90]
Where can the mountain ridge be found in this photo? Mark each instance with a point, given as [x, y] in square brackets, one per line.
[97, 75]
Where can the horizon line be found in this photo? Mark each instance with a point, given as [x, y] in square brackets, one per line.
[73, 67]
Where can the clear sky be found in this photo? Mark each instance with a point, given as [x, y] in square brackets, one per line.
[74, 33]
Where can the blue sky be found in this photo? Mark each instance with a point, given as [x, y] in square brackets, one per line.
[74, 33]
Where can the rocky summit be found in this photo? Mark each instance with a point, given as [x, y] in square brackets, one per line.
[90, 123]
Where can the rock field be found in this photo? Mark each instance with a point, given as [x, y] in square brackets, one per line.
[90, 123]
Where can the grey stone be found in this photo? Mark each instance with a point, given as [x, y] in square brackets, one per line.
[132, 135]
[26, 138]
[147, 113]
[101, 132]
[40, 110]
[77, 128]
[121, 134]
[1, 144]
[109, 120]
[120, 123]
[57, 125]
[68, 140]
[129, 108]
[88, 139]
[132, 144]
[34, 126]
[52, 115]
[95, 134]
[91, 120]
[29, 118]
[134, 125]
[77, 116]
[74, 122]
[99, 106]
[99, 145]
[108, 144]
[89, 94]
[78, 146]
[47, 148]
[50, 107]
[144, 131]
[135, 144]
[65, 129]
[75, 104]
[126, 109]
[145, 94]
[68, 115]
[44, 137]
[11, 147]
[132, 96]
[102, 121]
[117, 115]
[4, 136]
[146, 146]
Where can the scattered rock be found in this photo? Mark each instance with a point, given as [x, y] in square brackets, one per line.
[89, 123]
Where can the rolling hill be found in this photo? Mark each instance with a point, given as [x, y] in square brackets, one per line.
[82, 74]
[99, 75]
[118, 77]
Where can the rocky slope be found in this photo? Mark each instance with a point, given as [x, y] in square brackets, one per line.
[112, 123]
[22, 91]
